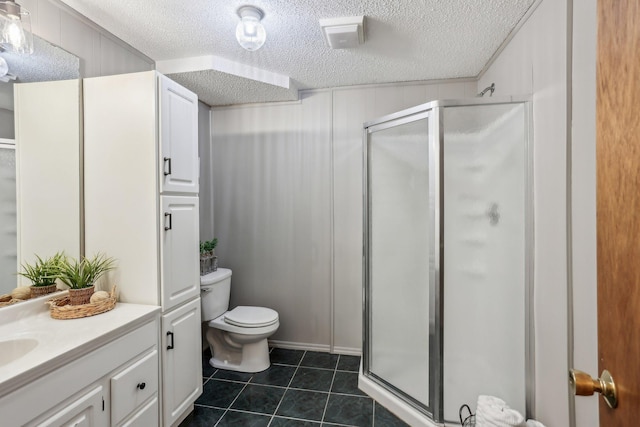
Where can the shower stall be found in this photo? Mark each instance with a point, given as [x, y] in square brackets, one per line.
[448, 247]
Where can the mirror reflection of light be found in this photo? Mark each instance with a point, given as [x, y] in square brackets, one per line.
[15, 33]
[15, 28]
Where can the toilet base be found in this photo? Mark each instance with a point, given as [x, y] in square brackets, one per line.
[249, 357]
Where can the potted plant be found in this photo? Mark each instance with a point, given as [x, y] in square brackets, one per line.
[43, 274]
[208, 260]
[81, 276]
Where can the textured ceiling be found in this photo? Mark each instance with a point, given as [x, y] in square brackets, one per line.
[405, 40]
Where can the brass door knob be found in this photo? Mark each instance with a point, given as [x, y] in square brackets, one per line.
[583, 385]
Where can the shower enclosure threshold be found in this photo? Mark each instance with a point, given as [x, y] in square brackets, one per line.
[398, 406]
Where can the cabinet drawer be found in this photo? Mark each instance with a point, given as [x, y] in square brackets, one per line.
[147, 416]
[133, 386]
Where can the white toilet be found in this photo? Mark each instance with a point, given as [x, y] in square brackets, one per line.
[238, 337]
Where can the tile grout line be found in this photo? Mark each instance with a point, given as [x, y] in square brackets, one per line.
[324, 413]
[286, 388]
[373, 416]
[232, 402]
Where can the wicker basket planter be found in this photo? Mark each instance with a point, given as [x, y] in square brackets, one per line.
[81, 296]
[38, 291]
[7, 299]
[61, 308]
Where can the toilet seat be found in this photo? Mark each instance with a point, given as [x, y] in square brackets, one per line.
[251, 317]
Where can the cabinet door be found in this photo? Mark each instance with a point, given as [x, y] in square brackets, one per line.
[181, 364]
[178, 138]
[85, 411]
[179, 250]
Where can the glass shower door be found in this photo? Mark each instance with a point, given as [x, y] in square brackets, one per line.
[399, 253]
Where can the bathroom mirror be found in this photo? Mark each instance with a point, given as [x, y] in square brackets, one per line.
[41, 182]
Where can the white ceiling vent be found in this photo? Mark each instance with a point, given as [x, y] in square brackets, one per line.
[343, 33]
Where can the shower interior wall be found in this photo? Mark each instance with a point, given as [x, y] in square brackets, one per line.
[485, 258]
[287, 179]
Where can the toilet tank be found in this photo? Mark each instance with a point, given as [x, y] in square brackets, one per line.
[215, 289]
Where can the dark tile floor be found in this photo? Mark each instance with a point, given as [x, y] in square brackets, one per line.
[300, 389]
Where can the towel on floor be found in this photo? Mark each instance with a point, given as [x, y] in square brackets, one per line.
[492, 411]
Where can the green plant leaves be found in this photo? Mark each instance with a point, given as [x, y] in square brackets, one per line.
[208, 245]
[84, 273]
[43, 272]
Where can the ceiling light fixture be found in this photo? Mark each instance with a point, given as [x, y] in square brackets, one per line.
[250, 32]
[15, 28]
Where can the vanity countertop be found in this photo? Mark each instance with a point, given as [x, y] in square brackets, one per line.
[51, 343]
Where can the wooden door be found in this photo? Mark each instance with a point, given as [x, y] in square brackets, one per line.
[618, 204]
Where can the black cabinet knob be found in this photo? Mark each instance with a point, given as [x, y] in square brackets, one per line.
[141, 386]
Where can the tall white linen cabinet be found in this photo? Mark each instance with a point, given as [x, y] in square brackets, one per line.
[141, 207]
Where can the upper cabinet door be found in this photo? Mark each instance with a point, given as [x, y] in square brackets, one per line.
[179, 165]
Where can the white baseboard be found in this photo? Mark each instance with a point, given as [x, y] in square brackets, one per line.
[347, 351]
[315, 347]
[299, 346]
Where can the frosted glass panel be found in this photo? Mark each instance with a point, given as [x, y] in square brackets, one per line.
[8, 239]
[484, 255]
[399, 257]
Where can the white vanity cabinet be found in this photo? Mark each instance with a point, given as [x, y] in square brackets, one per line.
[100, 388]
[141, 207]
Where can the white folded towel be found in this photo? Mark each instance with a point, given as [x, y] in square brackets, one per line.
[492, 411]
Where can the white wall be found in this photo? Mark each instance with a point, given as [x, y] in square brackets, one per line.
[583, 197]
[535, 62]
[272, 185]
[206, 173]
[301, 252]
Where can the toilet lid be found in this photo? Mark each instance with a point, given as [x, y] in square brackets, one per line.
[251, 317]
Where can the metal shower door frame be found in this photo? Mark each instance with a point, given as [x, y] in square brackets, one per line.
[434, 112]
